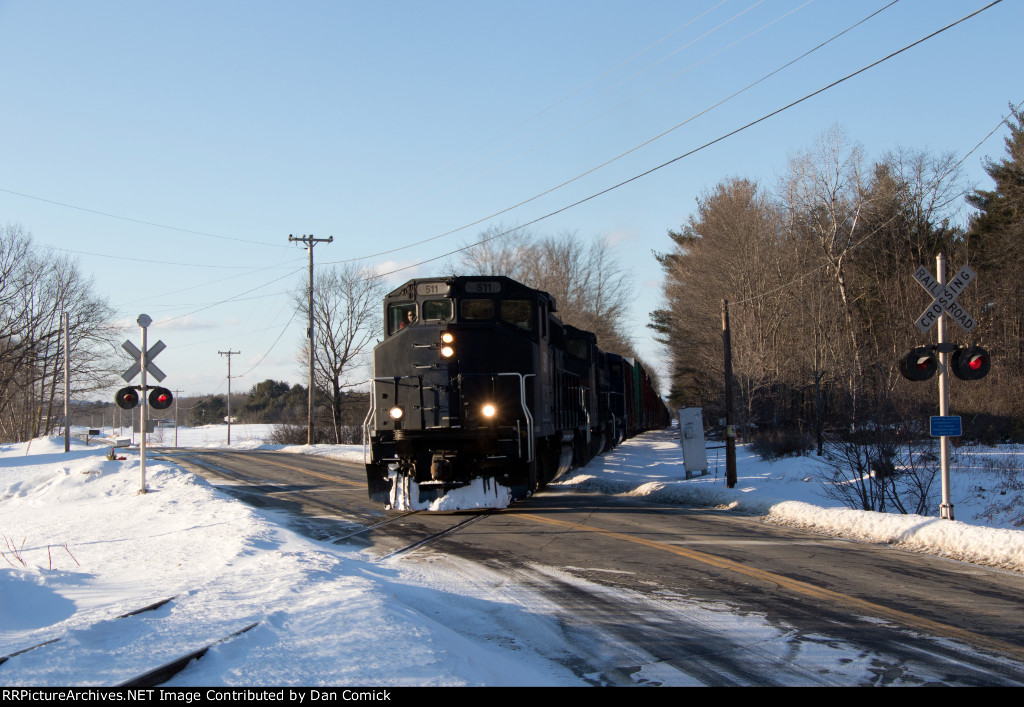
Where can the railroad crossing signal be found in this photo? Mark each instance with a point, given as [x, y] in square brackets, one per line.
[969, 363]
[128, 398]
[966, 363]
[136, 367]
[159, 398]
[945, 299]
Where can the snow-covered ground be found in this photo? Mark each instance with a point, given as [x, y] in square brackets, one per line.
[81, 547]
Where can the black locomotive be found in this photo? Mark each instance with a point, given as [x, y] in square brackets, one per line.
[481, 395]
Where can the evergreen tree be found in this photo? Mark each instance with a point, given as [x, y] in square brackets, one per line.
[999, 223]
[996, 252]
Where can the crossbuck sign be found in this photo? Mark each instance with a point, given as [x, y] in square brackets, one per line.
[945, 299]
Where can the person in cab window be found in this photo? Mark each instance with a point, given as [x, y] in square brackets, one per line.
[409, 319]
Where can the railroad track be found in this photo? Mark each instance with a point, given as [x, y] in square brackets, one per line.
[164, 672]
[160, 675]
[151, 678]
[314, 501]
[369, 523]
[478, 515]
[135, 612]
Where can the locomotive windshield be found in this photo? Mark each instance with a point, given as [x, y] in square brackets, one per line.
[474, 309]
[437, 309]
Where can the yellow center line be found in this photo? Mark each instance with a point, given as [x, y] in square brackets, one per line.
[799, 587]
[327, 477]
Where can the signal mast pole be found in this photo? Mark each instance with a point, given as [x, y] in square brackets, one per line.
[143, 321]
[310, 241]
[946, 508]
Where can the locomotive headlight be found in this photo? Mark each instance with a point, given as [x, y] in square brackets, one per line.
[488, 410]
[447, 338]
[396, 413]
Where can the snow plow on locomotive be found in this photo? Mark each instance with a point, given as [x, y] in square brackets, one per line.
[481, 395]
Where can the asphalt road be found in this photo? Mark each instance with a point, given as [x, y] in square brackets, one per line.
[649, 593]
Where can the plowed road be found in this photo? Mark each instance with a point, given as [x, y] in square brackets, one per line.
[645, 592]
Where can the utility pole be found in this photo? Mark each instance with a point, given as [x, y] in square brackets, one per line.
[730, 429]
[229, 353]
[310, 241]
[67, 385]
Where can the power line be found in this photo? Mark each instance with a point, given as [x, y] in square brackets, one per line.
[636, 74]
[214, 282]
[231, 299]
[639, 146]
[680, 157]
[561, 100]
[876, 231]
[135, 220]
[680, 73]
[283, 330]
[145, 260]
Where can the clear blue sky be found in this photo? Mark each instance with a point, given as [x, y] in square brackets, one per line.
[203, 133]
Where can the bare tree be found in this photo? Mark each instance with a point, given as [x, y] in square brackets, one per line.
[592, 290]
[881, 469]
[825, 194]
[347, 318]
[816, 277]
[34, 293]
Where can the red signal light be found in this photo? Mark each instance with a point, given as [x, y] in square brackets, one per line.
[919, 364]
[126, 398]
[971, 364]
[160, 398]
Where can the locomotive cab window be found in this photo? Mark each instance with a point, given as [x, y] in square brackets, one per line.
[517, 312]
[578, 348]
[473, 309]
[437, 310]
[401, 316]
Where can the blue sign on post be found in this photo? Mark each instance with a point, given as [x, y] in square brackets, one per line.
[949, 426]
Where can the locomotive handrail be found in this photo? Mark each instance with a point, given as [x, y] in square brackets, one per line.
[586, 412]
[366, 422]
[373, 407]
[526, 412]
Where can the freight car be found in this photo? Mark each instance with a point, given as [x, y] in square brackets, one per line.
[481, 395]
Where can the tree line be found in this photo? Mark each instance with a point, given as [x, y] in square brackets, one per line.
[36, 288]
[817, 272]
